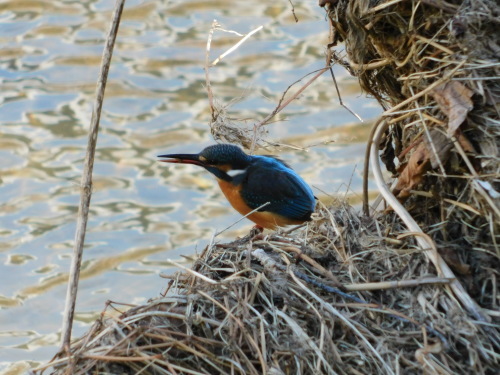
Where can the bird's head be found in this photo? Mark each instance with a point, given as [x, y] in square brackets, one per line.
[217, 159]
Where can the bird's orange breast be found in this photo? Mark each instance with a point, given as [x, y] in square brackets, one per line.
[265, 219]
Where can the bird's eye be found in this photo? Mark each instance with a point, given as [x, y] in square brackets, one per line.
[207, 161]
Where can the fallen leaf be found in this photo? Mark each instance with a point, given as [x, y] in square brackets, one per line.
[413, 172]
[452, 259]
[469, 149]
[454, 99]
[440, 147]
[423, 158]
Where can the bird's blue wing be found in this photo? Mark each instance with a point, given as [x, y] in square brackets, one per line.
[288, 194]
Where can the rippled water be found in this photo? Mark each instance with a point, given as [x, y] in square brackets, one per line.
[143, 212]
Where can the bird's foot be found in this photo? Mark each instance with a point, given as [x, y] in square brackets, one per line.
[256, 233]
[256, 229]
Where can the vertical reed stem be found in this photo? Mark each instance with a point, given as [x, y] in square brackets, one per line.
[86, 184]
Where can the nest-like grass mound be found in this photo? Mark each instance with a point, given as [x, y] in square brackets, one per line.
[434, 67]
[269, 305]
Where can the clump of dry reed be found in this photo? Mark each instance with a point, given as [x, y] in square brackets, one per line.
[434, 67]
[270, 304]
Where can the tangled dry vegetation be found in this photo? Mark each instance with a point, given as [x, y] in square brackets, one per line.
[433, 65]
[352, 293]
[271, 305]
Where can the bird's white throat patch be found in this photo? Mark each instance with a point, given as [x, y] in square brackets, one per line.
[236, 172]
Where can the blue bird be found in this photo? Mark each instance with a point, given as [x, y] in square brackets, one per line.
[251, 181]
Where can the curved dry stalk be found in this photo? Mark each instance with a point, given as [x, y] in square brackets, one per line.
[424, 243]
[366, 166]
[370, 66]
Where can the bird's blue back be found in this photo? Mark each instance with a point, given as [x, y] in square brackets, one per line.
[268, 179]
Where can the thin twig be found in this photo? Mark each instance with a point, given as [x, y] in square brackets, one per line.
[244, 217]
[293, 11]
[382, 6]
[86, 184]
[207, 67]
[233, 48]
[476, 185]
[282, 106]
[128, 358]
[340, 98]
[192, 272]
[396, 284]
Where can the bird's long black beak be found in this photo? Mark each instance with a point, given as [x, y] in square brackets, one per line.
[182, 159]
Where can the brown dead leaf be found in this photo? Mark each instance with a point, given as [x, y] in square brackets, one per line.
[440, 148]
[454, 99]
[452, 259]
[413, 172]
[469, 149]
[424, 158]
[465, 143]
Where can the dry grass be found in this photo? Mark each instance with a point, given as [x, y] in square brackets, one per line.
[272, 304]
[269, 305]
[433, 65]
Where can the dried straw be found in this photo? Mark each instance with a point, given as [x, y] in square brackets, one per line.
[261, 308]
[433, 65]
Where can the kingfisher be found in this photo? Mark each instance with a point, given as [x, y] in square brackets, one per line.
[255, 182]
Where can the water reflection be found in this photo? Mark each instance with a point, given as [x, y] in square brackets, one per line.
[142, 213]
